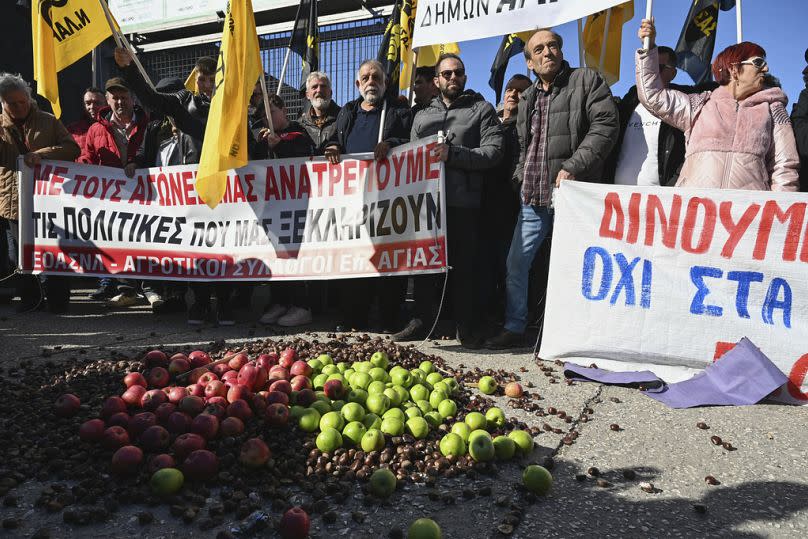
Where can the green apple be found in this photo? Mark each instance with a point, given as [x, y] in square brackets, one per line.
[436, 397]
[418, 376]
[452, 444]
[378, 374]
[424, 528]
[413, 411]
[347, 373]
[476, 420]
[401, 378]
[309, 420]
[353, 411]
[362, 366]
[343, 367]
[372, 440]
[417, 427]
[166, 481]
[316, 365]
[325, 359]
[487, 385]
[353, 432]
[319, 381]
[403, 393]
[380, 359]
[395, 412]
[479, 432]
[329, 440]
[336, 406]
[333, 420]
[452, 383]
[382, 483]
[358, 395]
[494, 418]
[441, 386]
[447, 408]
[433, 418]
[419, 392]
[523, 441]
[481, 448]
[376, 387]
[393, 395]
[424, 405]
[296, 411]
[360, 380]
[433, 378]
[504, 447]
[392, 426]
[337, 376]
[372, 421]
[537, 479]
[462, 430]
[427, 367]
[322, 407]
[378, 403]
[330, 369]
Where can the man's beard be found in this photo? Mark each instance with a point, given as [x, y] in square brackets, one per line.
[452, 93]
[320, 103]
[373, 98]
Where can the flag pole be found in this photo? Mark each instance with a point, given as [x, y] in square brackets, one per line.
[581, 59]
[602, 60]
[283, 71]
[122, 42]
[738, 21]
[381, 121]
[649, 7]
[267, 110]
[410, 93]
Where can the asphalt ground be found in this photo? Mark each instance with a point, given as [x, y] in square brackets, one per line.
[763, 482]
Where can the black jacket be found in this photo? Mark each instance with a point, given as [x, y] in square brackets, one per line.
[671, 147]
[474, 133]
[799, 119]
[320, 135]
[397, 123]
[295, 142]
[159, 131]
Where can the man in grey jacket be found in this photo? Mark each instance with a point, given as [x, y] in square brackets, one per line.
[567, 124]
[473, 147]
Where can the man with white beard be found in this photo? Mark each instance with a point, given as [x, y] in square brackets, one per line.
[357, 131]
[319, 116]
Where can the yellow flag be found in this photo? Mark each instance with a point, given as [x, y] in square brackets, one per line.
[63, 32]
[237, 70]
[606, 26]
[427, 56]
[190, 82]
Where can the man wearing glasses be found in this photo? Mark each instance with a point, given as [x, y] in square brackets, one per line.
[472, 147]
[567, 125]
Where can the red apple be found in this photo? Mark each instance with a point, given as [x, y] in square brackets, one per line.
[513, 390]
[215, 388]
[220, 401]
[155, 439]
[164, 411]
[92, 431]
[281, 385]
[252, 376]
[179, 365]
[153, 398]
[121, 419]
[259, 405]
[187, 443]
[277, 415]
[239, 393]
[231, 426]
[155, 358]
[294, 524]
[192, 405]
[197, 373]
[207, 378]
[267, 360]
[205, 425]
[67, 405]
[126, 460]
[198, 358]
[221, 368]
[283, 398]
[158, 462]
[230, 378]
[201, 465]
[334, 389]
[216, 410]
[254, 453]
[287, 358]
[238, 361]
[179, 423]
[111, 406]
[134, 395]
[158, 377]
[305, 397]
[197, 390]
[134, 379]
[240, 409]
[139, 423]
[176, 394]
[300, 382]
[300, 368]
[115, 437]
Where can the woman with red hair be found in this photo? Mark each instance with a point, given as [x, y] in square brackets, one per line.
[739, 136]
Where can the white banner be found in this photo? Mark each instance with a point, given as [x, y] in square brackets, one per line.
[282, 219]
[443, 21]
[675, 277]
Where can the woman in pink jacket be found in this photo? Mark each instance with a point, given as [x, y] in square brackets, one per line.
[739, 136]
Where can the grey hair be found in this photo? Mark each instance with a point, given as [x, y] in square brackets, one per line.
[10, 82]
[318, 75]
[375, 63]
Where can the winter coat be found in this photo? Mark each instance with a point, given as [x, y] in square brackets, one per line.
[157, 132]
[799, 118]
[79, 128]
[100, 147]
[295, 142]
[730, 144]
[474, 133]
[397, 123]
[42, 134]
[320, 134]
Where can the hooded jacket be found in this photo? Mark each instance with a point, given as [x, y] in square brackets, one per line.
[397, 123]
[99, 144]
[474, 133]
[731, 144]
[41, 133]
[159, 131]
[320, 135]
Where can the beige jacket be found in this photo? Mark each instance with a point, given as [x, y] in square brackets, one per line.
[43, 134]
[731, 144]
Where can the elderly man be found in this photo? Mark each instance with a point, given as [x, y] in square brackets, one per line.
[319, 116]
[93, 102]
[357, 131]
[473, 147]
[36, 135]
[567, 125]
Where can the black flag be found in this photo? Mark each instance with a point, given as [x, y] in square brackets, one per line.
[390, 49]
[511, 45]
[697, 41]
[305, 39]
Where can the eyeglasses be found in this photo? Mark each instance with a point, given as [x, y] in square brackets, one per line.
[757, 61]
[666, 66]
[459, 73]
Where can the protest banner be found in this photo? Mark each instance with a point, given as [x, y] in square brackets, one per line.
[654, 276]
[282, 219]
[442, 21]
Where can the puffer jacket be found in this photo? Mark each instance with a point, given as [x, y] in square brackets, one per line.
[99, 144]
[730, 144]
[42, 134]
[474, 135]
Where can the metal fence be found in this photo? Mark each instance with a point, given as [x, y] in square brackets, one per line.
[342, 48]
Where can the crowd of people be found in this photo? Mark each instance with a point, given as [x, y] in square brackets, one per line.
[501, 169]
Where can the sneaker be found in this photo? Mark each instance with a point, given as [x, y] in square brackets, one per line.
[273, 313]
[505, 339]
[124, 299]
[105, 291]
[295, 316]
[197, 314]
[155, 300]
[225, 315]
[413, 331]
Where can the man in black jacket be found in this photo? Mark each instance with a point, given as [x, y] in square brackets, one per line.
[319, 116]
[799, 119]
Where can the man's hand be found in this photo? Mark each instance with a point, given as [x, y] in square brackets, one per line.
[271, 139]
[647, 29]
[563, 175]
[129, 170]
[380, 152]
[332, 154]
[32, 159]
[122, 57]
[441, 151]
